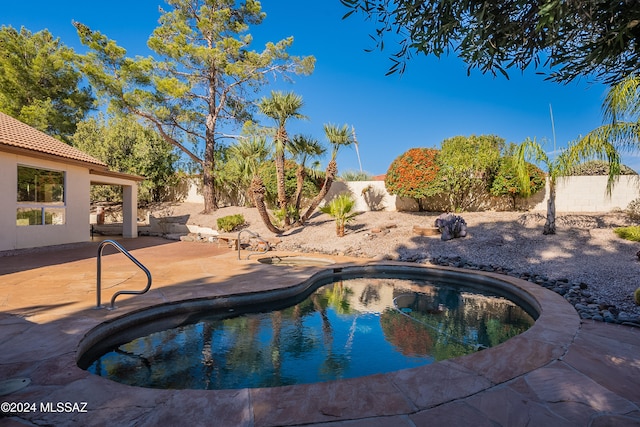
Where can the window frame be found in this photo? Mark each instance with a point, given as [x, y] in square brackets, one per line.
[34, 212]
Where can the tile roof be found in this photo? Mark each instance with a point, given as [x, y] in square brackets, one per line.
[14, 133]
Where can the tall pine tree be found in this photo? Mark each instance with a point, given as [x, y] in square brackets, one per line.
[199, 79]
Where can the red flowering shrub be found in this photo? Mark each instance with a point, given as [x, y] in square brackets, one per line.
[412, 174]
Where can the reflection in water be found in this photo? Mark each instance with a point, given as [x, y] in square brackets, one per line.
[346, 329]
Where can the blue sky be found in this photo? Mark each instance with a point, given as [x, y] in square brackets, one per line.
[433, 100]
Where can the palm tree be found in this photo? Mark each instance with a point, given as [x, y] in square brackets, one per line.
[562, 165]
[258, 191]
[530, 150]
[338, 137]
[281, 107]
[303, 148]
[341, 209]
[246, 156]
[621, 108]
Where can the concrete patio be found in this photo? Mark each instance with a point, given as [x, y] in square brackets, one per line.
[562, 372]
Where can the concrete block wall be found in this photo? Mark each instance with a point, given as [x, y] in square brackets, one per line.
[588, 194]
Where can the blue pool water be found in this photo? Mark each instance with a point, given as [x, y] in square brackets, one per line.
[345, 329]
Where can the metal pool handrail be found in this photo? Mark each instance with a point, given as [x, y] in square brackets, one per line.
[256, 236]
[99, 273]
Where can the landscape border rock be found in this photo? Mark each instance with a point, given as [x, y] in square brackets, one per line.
[577, 294]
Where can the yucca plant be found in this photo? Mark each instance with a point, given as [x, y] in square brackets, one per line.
[341, 209]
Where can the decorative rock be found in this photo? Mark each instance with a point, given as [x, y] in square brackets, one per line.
[625, 317]
[451, 226]
[587, 308]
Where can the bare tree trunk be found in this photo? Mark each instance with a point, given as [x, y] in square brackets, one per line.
[258, 190]
[330, 174]
[550, 224]
[300, 175]
[208, 167]
[208, 190]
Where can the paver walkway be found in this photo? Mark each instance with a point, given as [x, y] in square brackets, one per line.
[567, 373]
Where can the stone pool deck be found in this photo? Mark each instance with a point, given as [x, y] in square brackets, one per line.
[562, 372]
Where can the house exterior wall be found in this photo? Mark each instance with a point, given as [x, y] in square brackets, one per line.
[76, 226]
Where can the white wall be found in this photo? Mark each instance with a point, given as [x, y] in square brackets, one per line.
[588, 194]
[194, 194]
[369, 195]
[573, 194]
[76, 227]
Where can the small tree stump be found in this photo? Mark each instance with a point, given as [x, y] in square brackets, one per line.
[425, 231]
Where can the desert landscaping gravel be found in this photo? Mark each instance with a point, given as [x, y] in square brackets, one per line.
[585, 260]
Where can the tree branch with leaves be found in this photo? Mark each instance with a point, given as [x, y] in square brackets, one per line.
[40, 83]
[573, 38]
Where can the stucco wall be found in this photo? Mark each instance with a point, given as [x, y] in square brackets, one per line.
[573, 194]
[369, 195]
[76, 227]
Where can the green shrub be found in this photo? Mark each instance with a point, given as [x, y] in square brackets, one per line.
[629, 233]
[467, 167]
[506, 182]
[636, 296]
[230, 222]
[292, 212]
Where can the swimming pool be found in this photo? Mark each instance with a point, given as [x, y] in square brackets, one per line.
[342, 323]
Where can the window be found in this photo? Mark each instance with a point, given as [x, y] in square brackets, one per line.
[41, 198]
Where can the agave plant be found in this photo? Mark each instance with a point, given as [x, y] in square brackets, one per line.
[341, 209]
